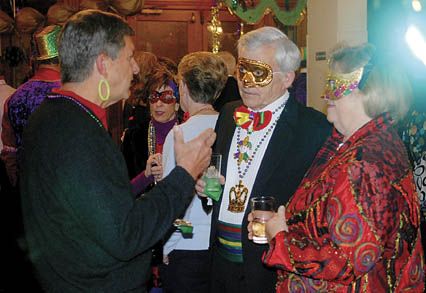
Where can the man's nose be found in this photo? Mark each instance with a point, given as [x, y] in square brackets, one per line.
[248, 80]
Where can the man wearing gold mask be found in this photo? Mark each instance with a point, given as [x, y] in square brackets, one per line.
[267, 145]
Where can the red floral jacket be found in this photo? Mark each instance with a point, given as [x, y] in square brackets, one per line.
[354, 220]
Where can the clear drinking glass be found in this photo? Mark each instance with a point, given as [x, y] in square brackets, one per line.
[262, 208]
[211, 177]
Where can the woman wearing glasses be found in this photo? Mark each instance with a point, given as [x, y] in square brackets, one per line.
[143, 145]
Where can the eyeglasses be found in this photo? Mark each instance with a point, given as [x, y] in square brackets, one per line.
[165, 96]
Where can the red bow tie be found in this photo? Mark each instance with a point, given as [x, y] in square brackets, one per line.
[243, 117]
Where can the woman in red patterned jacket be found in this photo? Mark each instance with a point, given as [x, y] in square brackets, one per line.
[353, 223]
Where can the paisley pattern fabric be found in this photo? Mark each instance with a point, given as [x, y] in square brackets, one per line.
[354, 220]
[414, 136]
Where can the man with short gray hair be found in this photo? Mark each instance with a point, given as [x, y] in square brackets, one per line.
[267, 145]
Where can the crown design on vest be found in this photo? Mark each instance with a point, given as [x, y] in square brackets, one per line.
[237, 198]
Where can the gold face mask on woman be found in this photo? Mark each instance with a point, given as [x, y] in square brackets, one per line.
[339, 85]
[254, 73]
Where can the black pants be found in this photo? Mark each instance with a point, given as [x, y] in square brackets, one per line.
[226, 276]
[187, 271]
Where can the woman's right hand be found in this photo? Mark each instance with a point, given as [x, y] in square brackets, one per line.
[153, 161]
[276, 224]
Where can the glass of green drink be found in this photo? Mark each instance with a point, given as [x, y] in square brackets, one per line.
[211, 177]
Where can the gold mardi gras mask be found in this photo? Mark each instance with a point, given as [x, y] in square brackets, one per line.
[254, 73]
[339, 85]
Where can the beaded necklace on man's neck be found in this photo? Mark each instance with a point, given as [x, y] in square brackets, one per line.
[245, 153]
[246, 143]
[84, 108]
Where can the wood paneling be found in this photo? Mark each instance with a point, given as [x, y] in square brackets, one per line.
[179, 4]
[184, 32]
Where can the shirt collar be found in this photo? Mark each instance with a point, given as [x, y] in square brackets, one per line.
[47, 74]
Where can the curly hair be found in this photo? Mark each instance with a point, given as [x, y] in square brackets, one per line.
[159, 77]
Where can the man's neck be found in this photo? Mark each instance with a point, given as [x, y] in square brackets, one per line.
[86, 90]
[262, 107]
[49, 66]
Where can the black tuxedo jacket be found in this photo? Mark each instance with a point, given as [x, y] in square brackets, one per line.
[298, 135]
[229, 93]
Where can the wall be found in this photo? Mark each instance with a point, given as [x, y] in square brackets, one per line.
[331, 22]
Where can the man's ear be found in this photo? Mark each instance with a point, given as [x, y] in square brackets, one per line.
[102, 64]
[289, 78]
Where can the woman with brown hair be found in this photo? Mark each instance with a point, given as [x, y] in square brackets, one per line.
[144, 140]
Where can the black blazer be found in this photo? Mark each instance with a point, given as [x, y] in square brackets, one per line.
[298, 135]
[135, 141]
[229, 93]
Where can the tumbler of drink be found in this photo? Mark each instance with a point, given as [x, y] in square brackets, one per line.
[211, 177]
[263, 209]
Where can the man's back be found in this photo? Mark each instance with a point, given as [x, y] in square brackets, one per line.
[75, 189]
[18, 109]
[28, 97]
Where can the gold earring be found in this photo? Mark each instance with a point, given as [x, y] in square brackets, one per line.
[107, 90]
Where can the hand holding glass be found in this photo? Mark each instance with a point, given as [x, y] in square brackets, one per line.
[263, 209]
[211, 177]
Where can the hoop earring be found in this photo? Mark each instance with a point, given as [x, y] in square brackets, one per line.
[107, 89]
